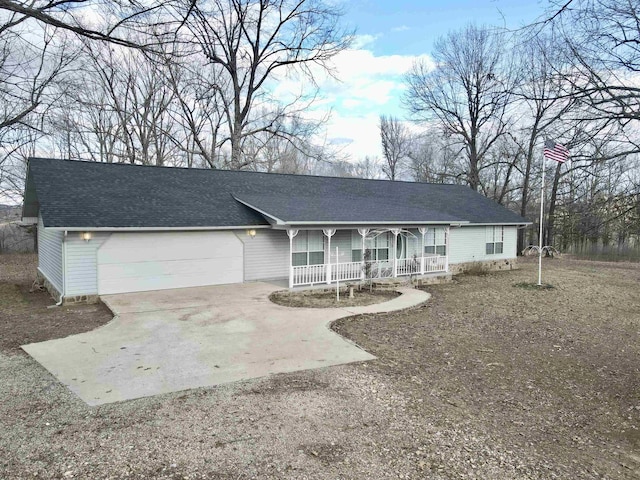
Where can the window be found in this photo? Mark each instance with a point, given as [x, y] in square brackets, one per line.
[377, 245]
[435, 241]
[495, 240]
[356, 246]
[308, 248]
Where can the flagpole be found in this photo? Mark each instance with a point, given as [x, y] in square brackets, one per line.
[541, 219]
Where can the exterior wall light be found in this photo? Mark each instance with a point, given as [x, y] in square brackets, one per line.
[251, 233]
[86, 236]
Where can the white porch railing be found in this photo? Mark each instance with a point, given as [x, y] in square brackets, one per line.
[309, 274]
[408, 266]
[435, 263]
[344, 272]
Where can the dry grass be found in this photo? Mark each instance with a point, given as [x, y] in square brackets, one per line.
[18, 268]
[552, 374]
[486, 381]
[29, 315]
[327, 298]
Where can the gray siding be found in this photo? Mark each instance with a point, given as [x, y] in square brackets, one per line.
[82, 263]
[342, 240]
[468, 244]
[50, 254]
[266, 256]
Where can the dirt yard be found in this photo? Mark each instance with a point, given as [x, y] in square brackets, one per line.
[488, 380]
[327, 298]
[29, 315]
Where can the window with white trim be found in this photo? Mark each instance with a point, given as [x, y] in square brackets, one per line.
[308, 248]
[378, 246]
[495, 240]
[435, 241]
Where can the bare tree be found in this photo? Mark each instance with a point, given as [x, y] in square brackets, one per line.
[601, 38]
[367, 167]
[468, 92]
[198, 108]
[30, 64]
[396, 141]
[541, 97]
[119, 16]
[433, 159]
[257, 42]
[125, 108]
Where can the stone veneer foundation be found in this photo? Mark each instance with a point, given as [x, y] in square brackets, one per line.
[55, 294]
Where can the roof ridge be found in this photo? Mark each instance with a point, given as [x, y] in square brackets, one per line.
[121, 164]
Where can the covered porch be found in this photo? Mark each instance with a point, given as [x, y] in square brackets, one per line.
[329, 255]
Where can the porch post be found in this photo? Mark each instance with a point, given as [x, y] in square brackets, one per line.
[363, 233]
[329, 232]
[396, 232]
[423, 231]
[291, 233]
[446, 253]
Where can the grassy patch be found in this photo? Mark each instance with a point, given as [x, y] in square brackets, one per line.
[11, 296]
[534, 286]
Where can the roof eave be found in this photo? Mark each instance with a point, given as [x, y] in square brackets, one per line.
[294, 224]
[157, 229]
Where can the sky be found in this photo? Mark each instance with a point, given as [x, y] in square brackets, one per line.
[390, 36]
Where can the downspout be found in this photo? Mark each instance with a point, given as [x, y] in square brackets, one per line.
[64, 268]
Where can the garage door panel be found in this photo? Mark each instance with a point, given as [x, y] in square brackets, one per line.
[177, 246]
[215, 267]
[132, 262]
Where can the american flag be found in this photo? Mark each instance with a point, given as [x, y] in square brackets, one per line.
[555, 151]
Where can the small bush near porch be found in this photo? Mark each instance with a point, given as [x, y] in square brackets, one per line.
[327, 298]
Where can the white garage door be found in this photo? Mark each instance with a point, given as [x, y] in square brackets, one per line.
[135, 262]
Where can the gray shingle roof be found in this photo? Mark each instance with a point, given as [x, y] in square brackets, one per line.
[77, 194]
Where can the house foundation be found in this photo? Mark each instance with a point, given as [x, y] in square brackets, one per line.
[71, 300]
[487, 266]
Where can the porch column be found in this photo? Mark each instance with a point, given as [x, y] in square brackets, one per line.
[329, 232]
[423, 231]
[291, 233]
[363, 233]
[396, 232]
[446, 243]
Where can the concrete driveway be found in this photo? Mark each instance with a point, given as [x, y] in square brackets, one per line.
[171, 340]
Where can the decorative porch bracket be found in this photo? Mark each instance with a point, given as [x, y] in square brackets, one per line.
[423, 231]
[329, 232]
[291, 233]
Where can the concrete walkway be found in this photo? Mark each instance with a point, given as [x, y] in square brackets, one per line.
[171, 340]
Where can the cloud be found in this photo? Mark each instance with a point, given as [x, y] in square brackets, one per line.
[363, 86]
[357, 135]
[401, 28]
[361, 41]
